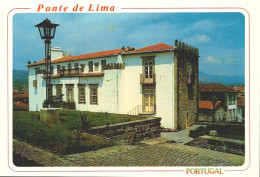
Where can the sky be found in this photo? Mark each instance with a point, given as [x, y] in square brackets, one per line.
[220, 37]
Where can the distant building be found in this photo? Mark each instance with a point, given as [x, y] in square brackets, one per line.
[240, 102]
[158, 80]
[226, 102]
[21, 102]
[207, 111]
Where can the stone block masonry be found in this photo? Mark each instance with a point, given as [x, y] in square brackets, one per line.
[130, 131]
[152, 152]
[186, 67]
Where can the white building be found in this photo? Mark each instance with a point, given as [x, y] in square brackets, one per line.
[158, 80]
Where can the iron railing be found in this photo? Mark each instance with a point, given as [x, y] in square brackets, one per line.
[66, 72]
[140, 110]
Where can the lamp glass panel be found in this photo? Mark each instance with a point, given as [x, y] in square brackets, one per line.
[52, 32]
[41, 29]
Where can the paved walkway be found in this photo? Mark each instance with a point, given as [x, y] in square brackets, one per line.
[156, 152]
[152, 152]
[182, 136]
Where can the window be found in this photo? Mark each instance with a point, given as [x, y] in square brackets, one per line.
[58, 67]
[51, 69]
[76, 65]
[103, 65]
[230, 99]
[90, 66]
[69, 66]
[70, 93]
[96, 64]
[82, 93]
[82, 66]
[58, 90]
[93, 94]
[148, 69]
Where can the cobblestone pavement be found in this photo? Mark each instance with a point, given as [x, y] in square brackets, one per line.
[152, 152]
[182, 136]
[156, 152]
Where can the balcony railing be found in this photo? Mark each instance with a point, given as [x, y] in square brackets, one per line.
[145, 80]
[142, 110]
[67, 72]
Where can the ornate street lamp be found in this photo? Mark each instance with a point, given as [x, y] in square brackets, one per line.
[47, 32]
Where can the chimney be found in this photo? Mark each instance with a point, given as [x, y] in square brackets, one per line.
[56, 53]
[129, 48]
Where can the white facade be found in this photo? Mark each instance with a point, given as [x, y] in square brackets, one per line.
[141, 82]
[232, 107]
[119, 90]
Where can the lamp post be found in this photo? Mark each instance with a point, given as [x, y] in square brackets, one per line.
[47, 32]
[213, 101]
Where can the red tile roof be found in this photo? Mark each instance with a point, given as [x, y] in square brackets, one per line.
[24, 95]
[238, 88]
[157, 47]
[214, 88]
[208, 104]
[21, 106]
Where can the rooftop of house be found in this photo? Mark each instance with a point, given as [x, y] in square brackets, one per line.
[208, 104]
[241, 102]
[129, 50]
[24, 95]
[238, 88]
[214, 88]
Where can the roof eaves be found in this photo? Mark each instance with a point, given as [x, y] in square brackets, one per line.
[36, 64]
[153, 51]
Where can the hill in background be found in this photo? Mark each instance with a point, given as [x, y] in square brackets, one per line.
[20, 80]
[225, 80]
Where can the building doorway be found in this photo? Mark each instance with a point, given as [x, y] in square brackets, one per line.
[149, 101]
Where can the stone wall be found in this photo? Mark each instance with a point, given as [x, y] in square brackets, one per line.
[130, 131]
[186, 85]
[219, 144]
[39, 156]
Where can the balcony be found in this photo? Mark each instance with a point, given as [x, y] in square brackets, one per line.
[144, 80]
[70, 72]
[34, 83]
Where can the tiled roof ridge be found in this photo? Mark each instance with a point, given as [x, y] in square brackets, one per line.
[214, 87]
[204, 104]
[156, 47]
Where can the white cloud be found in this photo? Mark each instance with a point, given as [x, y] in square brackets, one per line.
[198, 38]
[231, 60]
[212, 60]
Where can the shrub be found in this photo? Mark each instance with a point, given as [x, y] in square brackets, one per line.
[55, 137]
[226, 131]
[85, 123]
[200, 131]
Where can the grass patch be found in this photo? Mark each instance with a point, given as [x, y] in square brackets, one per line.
[225, 131]
[61, 137]
[71, 118]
